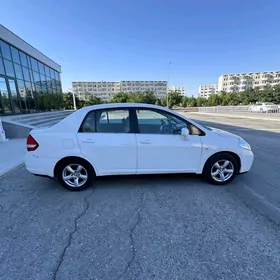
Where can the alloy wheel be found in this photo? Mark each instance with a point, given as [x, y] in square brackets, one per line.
[222, 170]
[74, 175]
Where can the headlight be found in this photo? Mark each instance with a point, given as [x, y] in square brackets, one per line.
[243, 144]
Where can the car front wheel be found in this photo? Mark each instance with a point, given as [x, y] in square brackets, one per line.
[75, 174]
[221, 169]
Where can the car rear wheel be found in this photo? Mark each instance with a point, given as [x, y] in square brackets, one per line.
[221, 169]
[75, 174]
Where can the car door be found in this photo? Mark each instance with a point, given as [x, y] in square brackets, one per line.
[105, 139]
[161, 148]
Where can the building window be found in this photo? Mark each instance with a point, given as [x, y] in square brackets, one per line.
[43, 78]
[14, 96]
[5, 48]
[36, 77]
[23, 59]
[9, 68]
[18, 71]
[2, 70]
[15, 55]
[41, 68]
[34, 64]
[47, 71]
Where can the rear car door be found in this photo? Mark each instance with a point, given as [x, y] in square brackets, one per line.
[161, 148]
[105, 138]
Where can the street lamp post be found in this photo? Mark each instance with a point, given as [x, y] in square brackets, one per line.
[74, 99]
[168, 78]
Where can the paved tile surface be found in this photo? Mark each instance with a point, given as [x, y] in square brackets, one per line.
[155, 227]
[11, 154]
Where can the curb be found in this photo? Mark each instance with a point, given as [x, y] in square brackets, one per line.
[234, 116]
[12, 169]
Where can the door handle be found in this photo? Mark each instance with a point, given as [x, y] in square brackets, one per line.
[145, 142]
[88, 141]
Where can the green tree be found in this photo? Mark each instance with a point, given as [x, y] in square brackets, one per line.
[185, 101]
[149, 97]
[158, 102]
[214, 100]
[173, 98]
[92, 100]
[119, 97]
[135, 97]
[192, 102]
[201, 101]
[68, 101]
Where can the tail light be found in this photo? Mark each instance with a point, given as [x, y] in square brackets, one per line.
[31, 144]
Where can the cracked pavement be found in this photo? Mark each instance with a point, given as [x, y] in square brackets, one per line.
[148, 227]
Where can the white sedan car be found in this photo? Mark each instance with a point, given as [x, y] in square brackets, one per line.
[120, 139]
[264, 107]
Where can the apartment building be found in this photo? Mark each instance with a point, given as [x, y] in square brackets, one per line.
[103, 90]
[180, 89]
[159, 88]
[106, 90]
[241, 82]
[205, 90]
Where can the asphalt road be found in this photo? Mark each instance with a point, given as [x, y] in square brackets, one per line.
[154, 227]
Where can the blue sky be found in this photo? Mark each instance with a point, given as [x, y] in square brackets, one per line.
[135, 40]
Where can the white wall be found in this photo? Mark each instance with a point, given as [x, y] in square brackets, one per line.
[16, 41]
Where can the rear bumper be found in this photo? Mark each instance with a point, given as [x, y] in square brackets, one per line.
[40, 166]
[247, 159]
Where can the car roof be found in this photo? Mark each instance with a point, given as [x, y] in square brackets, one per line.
[124, 105]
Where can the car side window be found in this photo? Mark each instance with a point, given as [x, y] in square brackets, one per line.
[107, 121]
[159, 122]
[88, 124]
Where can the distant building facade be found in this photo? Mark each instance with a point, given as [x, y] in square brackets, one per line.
[24, 72]
[180, 89]
[206, 90]
[102, 90]
[241, 82]
[106, 90]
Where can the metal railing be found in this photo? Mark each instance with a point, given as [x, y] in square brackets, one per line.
[239, 110]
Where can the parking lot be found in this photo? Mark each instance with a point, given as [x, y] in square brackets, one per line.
[148, 227]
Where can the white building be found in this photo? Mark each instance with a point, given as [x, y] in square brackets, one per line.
[180, 89]
[103, 90]
[241, 82]
[159, 88]
[206, 90]
[106, 90]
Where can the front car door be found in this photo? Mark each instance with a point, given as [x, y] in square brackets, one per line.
[161, 148]
[105, 139]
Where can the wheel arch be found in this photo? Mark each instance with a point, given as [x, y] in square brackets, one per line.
[68, 158]
[234, 155]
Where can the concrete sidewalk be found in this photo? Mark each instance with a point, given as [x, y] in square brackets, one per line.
[12, 154]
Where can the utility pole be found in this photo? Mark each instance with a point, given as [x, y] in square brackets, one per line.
[74, 99]
[168, 78]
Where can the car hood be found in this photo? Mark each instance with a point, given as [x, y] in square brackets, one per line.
[223, 133]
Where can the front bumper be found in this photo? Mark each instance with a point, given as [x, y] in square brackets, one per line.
[247, 159]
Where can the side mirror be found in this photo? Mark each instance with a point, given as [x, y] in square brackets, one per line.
[185, 133]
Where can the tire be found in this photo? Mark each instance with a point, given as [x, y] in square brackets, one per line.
[211, 168]
[82, 177]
